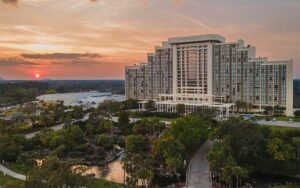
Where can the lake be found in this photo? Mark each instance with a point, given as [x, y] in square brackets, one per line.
[91, 99]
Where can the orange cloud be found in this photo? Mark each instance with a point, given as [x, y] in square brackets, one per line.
[125, 31]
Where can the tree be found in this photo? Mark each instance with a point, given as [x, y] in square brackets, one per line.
[297, 113]
[150, 126]
[167, 147]
[180, 109]
[135, 143]
[29, 109]
[123, 118]
[131, 104]
[296, 143]
[111, 106]
[145, 175]
[263, 150]
[218, 157]
[50, 91]
[239, 174]
[278, 110]
[10, 147]
[238, 104]
[190, 130]
[73, 136]
[54, 173]
[105, 126]
[150, 105]
[105, 141]
[77, 113]
[279, 150]
[268, 110]
[170, 152]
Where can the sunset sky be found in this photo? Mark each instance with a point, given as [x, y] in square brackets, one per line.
[95, 39]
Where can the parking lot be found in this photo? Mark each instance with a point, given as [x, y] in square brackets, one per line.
[279, 123]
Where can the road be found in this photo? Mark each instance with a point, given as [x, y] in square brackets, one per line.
[279, 123]
[54, 128]
[198, 170]
[57, 127]
[11, 173]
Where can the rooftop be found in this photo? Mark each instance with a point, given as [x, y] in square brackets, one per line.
[197, 38]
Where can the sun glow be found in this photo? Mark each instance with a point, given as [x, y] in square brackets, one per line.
[37, 75]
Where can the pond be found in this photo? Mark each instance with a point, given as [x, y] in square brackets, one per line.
[81, 98]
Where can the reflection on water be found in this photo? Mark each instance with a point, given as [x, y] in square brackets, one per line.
[81, 98]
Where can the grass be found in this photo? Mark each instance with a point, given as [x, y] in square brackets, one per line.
[93, 182]
[7, 181]
[280, 118]
[285, 186]
[11, 112]
[19, 168]
[287, 118]
[160, 118]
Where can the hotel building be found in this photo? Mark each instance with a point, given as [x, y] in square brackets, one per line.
[204, 71]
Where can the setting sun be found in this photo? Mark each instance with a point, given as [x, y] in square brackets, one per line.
[37, 75]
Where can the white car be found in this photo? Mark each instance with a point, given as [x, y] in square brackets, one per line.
[291, 121]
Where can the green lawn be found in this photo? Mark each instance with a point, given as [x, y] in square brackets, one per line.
[11, 112]
[285, 186]
[19, 168]
[279, 118]
[7, 181]
[286, 118]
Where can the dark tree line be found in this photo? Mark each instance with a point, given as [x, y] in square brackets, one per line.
[241, 149]
[22, 91]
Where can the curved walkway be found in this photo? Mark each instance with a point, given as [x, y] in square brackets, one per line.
[57, 127]
[11, 173]
[198, 170]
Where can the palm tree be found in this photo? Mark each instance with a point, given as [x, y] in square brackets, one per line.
[238, 104]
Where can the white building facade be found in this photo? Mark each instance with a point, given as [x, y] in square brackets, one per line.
[206, 72]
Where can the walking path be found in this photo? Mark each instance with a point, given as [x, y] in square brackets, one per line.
[198, 170]
[57, 127]
[54, 128]
[11, 173]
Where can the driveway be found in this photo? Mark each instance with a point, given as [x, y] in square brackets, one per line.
[198, 170]
[279, 123]
[11, 173]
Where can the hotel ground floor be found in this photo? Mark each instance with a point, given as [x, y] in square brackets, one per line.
[223, 110]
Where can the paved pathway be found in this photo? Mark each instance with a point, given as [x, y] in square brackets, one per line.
[11, 173]
[279, 123]
[57, 127]
[198, 170]
[54, 128]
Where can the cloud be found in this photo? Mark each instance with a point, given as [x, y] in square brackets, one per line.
[14, 2]
[61, 55]
[76, 63]
[15, 62]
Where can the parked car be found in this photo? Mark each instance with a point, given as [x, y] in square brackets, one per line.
[291, 120]
[274, 119]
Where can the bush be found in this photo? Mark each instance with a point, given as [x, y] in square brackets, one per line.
[156, 114]
[297, 113]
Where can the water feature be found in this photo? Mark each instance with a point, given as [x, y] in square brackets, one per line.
[92, 98]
